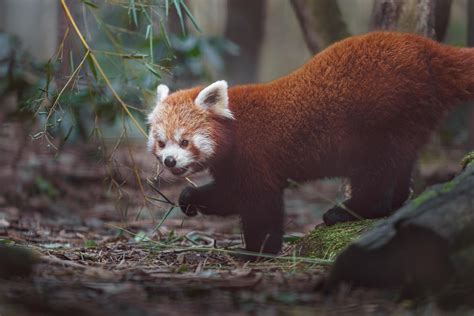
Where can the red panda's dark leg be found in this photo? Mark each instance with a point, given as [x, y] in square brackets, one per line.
[262, 223]
[207, 199]
[372, 194]
[403, 185]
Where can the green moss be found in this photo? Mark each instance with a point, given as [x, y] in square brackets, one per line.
[448, 186]
[468, 159]
[326, 242]
[423, 197]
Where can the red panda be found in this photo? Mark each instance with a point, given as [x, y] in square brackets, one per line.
[360, 109]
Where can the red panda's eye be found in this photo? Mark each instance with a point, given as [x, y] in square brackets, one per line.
[184, 143]
[161, 144]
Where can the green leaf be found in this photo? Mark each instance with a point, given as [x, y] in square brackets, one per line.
[291, 238]
[90, 243]
[68, 133]
[133, 11]
[150, 40]
[163, 219]
[191, 17]
[165, 34]
[152, 70]
[71, 61]
[134, 56]
[90, 62]
[141, 237]
[177, 5]
[90, 3]
[148, 31]
[49, 75]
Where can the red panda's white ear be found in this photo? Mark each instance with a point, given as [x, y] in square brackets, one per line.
[161, 92]
[214, 98]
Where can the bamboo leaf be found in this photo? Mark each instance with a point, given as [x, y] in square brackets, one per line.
[90, 4]
[134, 56]
[177, 5]
[163, 219]
[91, 64]
[49, 75]
[68, 134]
[165, 34]
[151, 46]
[133, 11]
[148, 31]
[189, 14]
[71, 61]
[153, 70]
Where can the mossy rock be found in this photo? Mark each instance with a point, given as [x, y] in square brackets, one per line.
[326, 242]
[468, 159]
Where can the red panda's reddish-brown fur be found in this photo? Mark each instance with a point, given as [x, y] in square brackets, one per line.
[360, 109]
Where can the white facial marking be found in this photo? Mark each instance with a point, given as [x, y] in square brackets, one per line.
[160, 132]
[204, 143]
[214, 98]
[178, 133]
[156, 134]
[182, 156]
[150, 142]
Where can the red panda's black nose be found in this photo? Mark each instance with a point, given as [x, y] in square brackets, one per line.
[170, 162]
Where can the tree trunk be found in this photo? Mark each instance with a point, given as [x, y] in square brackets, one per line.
[422, 247]
[442, 14]
[385, 14]
[245, 27]
[35, 23]
[321, 22]
[425, 17]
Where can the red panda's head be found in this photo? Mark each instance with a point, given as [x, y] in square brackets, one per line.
[186, 127]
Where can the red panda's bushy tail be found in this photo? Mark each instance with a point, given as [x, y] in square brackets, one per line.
[454, 71]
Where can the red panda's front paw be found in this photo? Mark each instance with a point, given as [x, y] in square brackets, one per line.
[186, 201]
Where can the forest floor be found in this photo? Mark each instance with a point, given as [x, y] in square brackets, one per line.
[99, 248]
